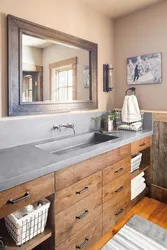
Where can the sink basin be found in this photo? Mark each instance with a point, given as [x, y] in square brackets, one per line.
[74, 143]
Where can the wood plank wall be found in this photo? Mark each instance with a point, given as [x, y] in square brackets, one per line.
[159, 186]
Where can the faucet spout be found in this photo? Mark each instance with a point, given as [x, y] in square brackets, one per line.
[69, 125]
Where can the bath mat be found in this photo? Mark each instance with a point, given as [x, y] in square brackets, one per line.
[139, 234]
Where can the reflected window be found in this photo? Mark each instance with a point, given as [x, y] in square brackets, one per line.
[63, 85]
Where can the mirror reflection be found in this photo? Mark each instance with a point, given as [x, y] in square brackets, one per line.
[53, 72]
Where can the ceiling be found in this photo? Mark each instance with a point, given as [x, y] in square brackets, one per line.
[118, 8]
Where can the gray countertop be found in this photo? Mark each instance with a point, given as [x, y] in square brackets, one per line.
[27, 162]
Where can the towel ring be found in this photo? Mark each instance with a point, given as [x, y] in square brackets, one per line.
[133, 89]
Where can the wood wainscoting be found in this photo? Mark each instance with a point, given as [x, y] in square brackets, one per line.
[159, 184]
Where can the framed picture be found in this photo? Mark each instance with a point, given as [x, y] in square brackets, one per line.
[86, 77]
[145, 69]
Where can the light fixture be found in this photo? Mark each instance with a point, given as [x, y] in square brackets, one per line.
[107, 77]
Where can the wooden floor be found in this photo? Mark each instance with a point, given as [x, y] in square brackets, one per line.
[150, 209]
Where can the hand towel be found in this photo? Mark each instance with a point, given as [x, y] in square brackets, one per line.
[130, 110]
[135, 192]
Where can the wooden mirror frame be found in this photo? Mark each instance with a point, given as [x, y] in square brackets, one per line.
[16, 107]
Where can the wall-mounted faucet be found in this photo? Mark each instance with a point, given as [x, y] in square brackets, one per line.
[68, 125]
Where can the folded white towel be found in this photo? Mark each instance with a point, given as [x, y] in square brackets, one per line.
[130, 109]
[138, 176]
[136, 191]
[137, 183]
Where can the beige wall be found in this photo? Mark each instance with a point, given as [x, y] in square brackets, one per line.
[69, 16]
[137, 34]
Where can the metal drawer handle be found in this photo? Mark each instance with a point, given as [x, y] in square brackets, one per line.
[119, 170]
[119, 189]
[26, 195]
[142, 145]
[82, 191]
[82, 244]
[119, 212]
[82, 215]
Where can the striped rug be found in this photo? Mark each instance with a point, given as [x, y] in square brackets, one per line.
[139, 234]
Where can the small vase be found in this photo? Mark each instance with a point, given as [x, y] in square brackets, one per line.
[110, 125]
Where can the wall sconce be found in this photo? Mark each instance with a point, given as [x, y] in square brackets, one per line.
[107, 77]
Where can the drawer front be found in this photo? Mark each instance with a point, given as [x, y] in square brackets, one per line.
[25, 194]
[74, 193]
[113, 215]
[140, 145]
[116, 170]
[85, 237]
[70, 220]
[70, 175]
[117, 190]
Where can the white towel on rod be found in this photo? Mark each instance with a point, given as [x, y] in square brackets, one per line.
[130, 109]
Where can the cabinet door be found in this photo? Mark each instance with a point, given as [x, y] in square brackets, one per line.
[113, 215]
[78, 191]
[85, 237]
[116, 170]
[25, 194]
[70, 220]
[116, 191]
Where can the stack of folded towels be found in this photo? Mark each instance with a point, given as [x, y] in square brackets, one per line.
[137, 185]
[136, 161]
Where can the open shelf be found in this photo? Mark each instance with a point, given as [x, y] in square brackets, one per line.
[29, 245]
[140, 196]
[140, 170]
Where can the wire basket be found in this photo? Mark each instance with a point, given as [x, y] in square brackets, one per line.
[28, 226]
[131, 126]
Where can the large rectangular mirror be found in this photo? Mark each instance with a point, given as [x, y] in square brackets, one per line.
[49, 71]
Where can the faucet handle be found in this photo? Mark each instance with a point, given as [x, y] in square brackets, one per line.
[57, 127]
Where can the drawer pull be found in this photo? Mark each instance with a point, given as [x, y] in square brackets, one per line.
[119, 189]
[119, 212]
[82, 244]
[26, 195]
[82, 191]
[142, 145]
[82, 215]
[119, 170]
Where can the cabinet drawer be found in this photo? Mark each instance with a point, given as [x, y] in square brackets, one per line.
[70, 195]
[113, 215]
[85, 237]
[70, 175]
[116, 191]
[140, 145]
[25, 194]
[70, 220]
[116, 170]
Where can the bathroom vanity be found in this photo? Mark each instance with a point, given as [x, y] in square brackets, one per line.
[89, 188]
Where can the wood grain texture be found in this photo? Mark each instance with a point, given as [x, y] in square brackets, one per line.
[116, 170]
[114, 214]
[78, 191]
[140, 145]
[145, 208]
[38, 189]
[159, 193]
[160, 154]
[66, 222]
[116, 191]
[160, 117]
[32, 243]
[92, 231]
[75, 173]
